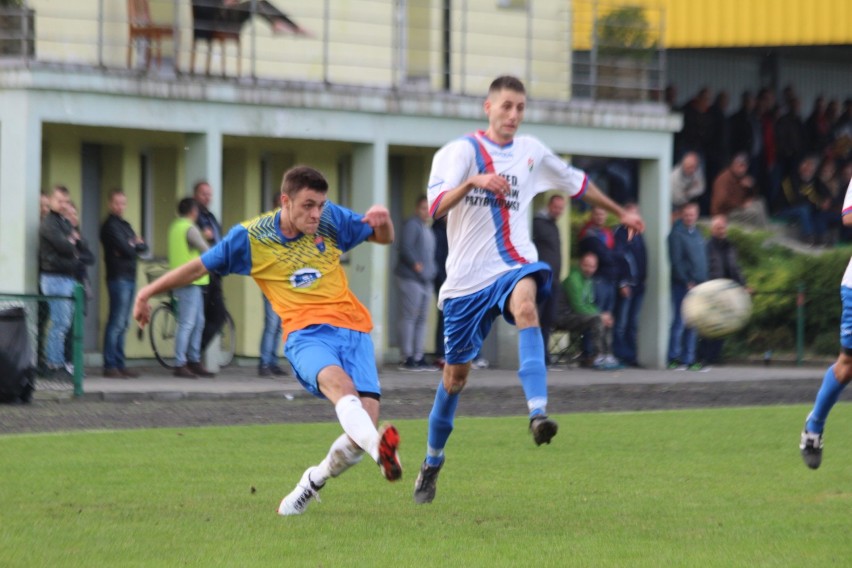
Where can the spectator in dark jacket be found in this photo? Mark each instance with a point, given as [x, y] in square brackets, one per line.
[688, 257]
[596, 237]
[721, 263]
[442, 250]
[58, 268]
[85, 258]
[631, 252]
[802, 202]
[548, 243]
[121, 247]
[214, 299]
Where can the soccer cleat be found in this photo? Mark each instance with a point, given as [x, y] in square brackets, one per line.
[543, 429]
[298, 500]
[811, 448]
[426, 483]
[388, 456]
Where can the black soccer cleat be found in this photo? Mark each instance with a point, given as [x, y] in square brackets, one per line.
[811, 448]
[543, 429]
[426, 483]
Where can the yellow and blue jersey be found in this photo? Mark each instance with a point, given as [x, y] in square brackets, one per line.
[302, 277]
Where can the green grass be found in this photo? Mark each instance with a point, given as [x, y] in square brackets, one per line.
[685, 488]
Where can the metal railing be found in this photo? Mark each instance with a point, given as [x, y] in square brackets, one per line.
[440, 46]
[618, 51]
[783, 327]
[37, 321]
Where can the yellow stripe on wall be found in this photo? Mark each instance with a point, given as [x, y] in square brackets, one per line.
[732, 23]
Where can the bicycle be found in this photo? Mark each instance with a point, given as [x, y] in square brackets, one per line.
[163, 327]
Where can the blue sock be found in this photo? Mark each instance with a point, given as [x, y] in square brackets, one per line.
[828, 394]
[533, 373]
[440, 424]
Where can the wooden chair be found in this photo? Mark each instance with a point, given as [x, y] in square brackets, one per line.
[141, 27]
[208, 28]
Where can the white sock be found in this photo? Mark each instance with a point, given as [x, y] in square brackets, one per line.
[342, 455]
[358, 425]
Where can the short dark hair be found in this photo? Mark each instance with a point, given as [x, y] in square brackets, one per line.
[303, 177]
[113, 192]
[59, 188]
[186, 205]
[507, 82]
[556, 196]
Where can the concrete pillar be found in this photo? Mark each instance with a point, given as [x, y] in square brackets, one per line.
[204, 162]
[366, 269]
[20, 185]
[655, 207]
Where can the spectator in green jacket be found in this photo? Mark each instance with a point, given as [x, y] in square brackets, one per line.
[579, 288]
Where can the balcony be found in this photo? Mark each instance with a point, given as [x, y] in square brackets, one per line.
[428, 48]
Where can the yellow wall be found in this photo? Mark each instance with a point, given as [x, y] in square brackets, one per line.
[731, 23]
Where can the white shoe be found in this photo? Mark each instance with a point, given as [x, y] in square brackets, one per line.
[611, 360]
[481, 363]
[298, 500]
[69, 367]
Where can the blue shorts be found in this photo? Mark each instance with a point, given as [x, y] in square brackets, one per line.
[846, 317]
[316, 347]
[468, 319]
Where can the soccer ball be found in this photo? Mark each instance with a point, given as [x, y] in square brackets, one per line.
[716, 308]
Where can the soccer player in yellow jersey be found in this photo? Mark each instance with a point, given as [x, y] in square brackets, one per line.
[294, 256]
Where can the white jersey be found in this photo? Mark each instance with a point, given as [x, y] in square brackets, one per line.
[847, 210]
[490, 235]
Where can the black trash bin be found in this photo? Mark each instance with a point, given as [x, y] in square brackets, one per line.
[17, 375]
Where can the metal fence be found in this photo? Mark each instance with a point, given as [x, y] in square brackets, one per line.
[447, 46]
[37, 314]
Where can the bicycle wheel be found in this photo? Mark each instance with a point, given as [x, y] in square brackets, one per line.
[227, 341]
[162, 330]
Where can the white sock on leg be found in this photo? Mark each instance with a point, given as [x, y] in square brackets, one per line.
[358, 425]
[342, 455]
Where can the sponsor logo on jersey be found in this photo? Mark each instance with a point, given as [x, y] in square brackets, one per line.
[320, 243]
[304, 277]
[530, 163]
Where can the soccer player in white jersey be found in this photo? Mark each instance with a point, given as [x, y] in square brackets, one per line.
[484, 183]
[840, 373]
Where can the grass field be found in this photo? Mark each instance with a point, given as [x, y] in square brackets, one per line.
[679, 488]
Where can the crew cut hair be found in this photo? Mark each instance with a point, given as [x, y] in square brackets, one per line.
[303, 177]
[507, 82]
[186, 205]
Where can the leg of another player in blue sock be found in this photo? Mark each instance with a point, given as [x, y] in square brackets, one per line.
[828, 394]
[440, 425]
[532, 371]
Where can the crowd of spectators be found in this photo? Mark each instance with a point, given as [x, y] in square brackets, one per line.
[796, 167]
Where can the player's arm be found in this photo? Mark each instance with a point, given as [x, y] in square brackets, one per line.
[379, 219]
[494, 183]
[594, 196]
[181, 276]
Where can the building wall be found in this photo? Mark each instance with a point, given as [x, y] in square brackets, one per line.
[46, 116]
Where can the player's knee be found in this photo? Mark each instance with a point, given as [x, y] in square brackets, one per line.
[843, 368]
[526, 314]
[454, 381]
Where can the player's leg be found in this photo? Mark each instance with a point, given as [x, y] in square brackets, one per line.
[835, 380]
[532, 370]
[465, 325]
